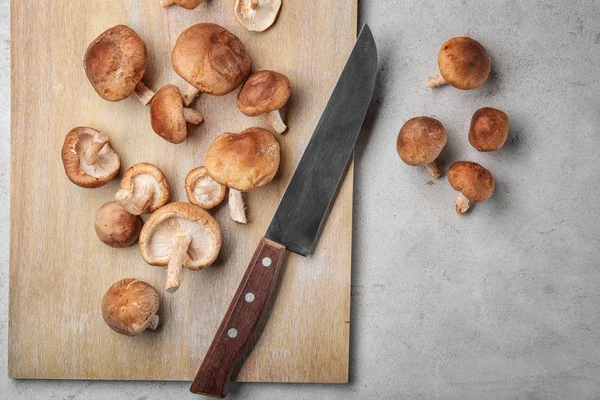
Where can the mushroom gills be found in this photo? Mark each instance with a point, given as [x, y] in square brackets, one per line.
[237, 209]
[143, 194]
[96, 158]
[206, 190]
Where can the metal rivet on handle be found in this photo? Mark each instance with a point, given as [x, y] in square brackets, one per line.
[249, 297]
[266, 261]
[232, 333]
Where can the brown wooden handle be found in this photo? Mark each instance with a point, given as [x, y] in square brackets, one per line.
[241, 322]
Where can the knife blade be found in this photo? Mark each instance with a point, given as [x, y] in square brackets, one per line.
[299, 216]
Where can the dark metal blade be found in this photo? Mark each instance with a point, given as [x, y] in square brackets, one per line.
[306, 200]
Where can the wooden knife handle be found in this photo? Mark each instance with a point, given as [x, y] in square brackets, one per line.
[243, 317]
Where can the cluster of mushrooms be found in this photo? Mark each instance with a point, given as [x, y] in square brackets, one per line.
[464, 64]
[181, 234]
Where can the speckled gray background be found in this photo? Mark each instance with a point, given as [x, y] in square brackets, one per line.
[502, 303]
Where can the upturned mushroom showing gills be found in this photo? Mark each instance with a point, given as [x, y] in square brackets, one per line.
[115, 63]
[180, 235]
[88, 159]
[420, 142]
[256, 15]
[474, 183]
[169, 117]
[187, 4]
[202, 190]
[129, 307]
[144, 189]
[265, 92]
[211, 59]
[115, 227]
[243, 162]
[464, 63]
[489, 129]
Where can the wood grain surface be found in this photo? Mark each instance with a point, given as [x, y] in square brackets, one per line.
[59, 270]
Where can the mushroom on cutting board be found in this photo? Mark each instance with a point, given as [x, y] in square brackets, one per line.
[115, 63]
[180, 235]
[144, 189]
[475, 184]
[489, 129]
[88, 159]
[265, 92]
[115, 227]
[243, 162]
[420, 141]
[187, 4]
[169, 117]
[202, 190]
[211, 59]
[464, 63]
[256, 15]
[129, 307]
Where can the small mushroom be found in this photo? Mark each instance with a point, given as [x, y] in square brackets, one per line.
[265, 92]
[129, 307]
[474, 183]
[420, 142]
[169, 117]
[464, 63]
[187, 4]
[88, 159]
[115, 63]
[242, 161]
[115, 227]
[211, 59]
[180, 235]
[256, 15]
[489, 129]
[144, 189]
[202, 190]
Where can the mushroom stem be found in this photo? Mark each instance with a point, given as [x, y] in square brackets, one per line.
[436, 81]
[181, 242]
[433, 170]
[188, 94]
[192, 116]
[91, 153]
[236, 206]
[274, 119]
[167, 3]
[135, 204]
[462, 204]
[254, 4]
[143, 94]
[153, 323]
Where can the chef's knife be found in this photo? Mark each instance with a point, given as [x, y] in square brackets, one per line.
[299, 216]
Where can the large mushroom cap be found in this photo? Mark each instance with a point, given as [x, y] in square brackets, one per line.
[88, 159]
[464, 63]
[263, 92]
[421, 140]
[129, 307]
[202, 190]
[256, 15]
[166, 114]
[243, 161]
[489, 129]
[144, 189]
[115, 62]
[472, 180]
[211, 58]
[115, 227]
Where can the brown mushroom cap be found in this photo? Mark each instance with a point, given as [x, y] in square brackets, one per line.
[166, 114]
[202, 190]
[147, 185]
[472, 180]
[243, 161]
[489, 129]
[115, 62]
[263, 92]
[211, 58]
[187, 4]
[85, 171]
[129, 307]
[115, 227]
[464, 63]
[156, 238]
[421, 140]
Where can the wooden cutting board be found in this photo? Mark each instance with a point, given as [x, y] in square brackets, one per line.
[59, 270]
